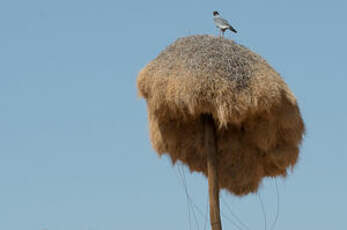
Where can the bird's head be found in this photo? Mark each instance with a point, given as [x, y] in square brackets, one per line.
[215, 13]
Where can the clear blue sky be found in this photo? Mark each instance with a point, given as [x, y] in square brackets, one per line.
[74, 147]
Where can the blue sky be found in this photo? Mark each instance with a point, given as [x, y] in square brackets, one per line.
[74, 147]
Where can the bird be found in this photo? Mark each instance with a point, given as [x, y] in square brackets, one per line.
[222, 23]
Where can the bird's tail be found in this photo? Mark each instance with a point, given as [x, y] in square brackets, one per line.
[232, 29]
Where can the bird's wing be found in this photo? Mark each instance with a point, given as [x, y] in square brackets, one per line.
[221, 21]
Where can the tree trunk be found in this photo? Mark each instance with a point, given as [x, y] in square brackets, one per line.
[212, 171]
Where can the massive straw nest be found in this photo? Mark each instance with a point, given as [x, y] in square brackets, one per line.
[259, 126]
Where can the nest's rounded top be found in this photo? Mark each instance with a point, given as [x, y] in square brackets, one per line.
[207, 74]
[210, 55]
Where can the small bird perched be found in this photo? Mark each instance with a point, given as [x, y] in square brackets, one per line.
[221, 23]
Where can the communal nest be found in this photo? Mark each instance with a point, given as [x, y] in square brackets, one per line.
[259, 125]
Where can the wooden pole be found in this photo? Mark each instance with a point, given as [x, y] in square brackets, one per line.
[212, 172]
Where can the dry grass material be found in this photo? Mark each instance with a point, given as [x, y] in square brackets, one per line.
[259, 125]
